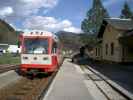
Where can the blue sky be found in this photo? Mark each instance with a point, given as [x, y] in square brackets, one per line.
[53, 15]
[74, 10]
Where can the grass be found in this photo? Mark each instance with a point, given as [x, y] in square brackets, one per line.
[9, 59]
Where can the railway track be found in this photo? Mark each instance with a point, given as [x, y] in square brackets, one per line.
[7, 67]
[108, 90]
[27, 89]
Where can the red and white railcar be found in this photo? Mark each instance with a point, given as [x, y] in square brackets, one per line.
[41, 51]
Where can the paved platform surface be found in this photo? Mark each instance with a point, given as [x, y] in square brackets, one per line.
[68, 85]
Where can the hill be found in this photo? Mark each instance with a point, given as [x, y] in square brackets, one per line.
[7, 33]
[73, 41]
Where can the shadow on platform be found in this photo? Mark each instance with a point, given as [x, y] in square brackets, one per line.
[119, 73]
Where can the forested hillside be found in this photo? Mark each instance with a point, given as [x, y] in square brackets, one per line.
[73, 41]
[70, 41]
[7, 33]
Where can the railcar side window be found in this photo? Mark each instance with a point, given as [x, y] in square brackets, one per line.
[54, 47]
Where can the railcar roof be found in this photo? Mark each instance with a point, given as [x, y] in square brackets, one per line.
[37, 33]
[42, 33]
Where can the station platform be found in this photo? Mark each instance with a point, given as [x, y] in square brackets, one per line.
[68, 85]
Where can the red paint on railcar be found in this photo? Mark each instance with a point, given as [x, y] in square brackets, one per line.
[41, 67]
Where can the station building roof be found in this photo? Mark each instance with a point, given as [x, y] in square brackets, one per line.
[117, 23]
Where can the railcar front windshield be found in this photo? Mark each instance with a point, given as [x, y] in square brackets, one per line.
[36, 46]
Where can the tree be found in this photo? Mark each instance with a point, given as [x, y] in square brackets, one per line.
[126, 12]
[94, 17]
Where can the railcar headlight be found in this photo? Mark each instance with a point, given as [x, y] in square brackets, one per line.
[45, 58]
[25, 58]
[35, 58]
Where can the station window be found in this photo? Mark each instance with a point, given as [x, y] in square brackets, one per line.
[96, 51]
[112, 48]
[106, 49]
[99, 51]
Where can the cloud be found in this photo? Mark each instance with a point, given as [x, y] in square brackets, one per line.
[107, 3]
[5, 11]
[26, 12]
[49, 24]
[25, 8]
[73, 29]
